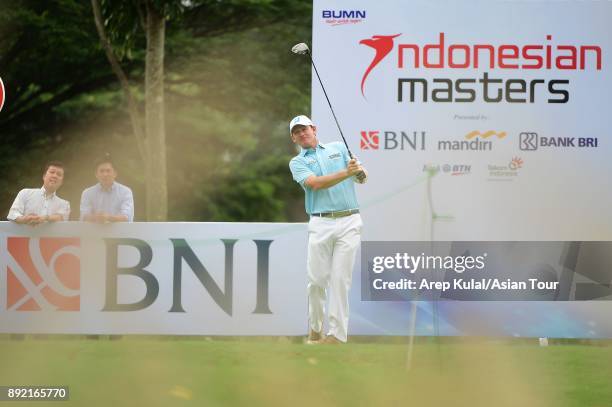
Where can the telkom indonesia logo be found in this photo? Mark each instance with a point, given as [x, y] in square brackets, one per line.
[43, 274]
[382, 44]
[1, 94]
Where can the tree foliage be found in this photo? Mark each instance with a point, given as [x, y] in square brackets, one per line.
[231, 85]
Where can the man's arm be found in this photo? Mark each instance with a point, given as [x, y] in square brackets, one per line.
[62, 214]
[116, 218]
[27, 220]
[126, 213]
[86, 207]
[17, 211]
[326, 181]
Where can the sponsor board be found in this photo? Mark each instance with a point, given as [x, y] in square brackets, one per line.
[157, 278]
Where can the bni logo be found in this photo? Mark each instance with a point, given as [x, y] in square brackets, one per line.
[392, 140]
[369, 140]
[43, 274]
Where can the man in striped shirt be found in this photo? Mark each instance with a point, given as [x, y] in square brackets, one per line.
[34, 206]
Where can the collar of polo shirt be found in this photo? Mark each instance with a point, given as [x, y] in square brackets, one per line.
[46, 193]
[305, 150]
[106, 189]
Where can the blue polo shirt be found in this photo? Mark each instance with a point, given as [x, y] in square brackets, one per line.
[325, 159]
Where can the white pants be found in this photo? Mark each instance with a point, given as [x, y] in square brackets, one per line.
[332, 244]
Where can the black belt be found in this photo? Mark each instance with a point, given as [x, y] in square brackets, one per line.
[338, 214]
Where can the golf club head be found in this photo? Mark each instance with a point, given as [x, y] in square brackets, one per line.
[300, 48]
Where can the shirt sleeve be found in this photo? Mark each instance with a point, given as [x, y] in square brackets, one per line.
[127, 205]
[300, 170]
[18, 208]
[86, 208]
[64, 210]
[345, 153]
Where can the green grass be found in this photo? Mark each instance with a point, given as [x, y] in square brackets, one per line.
[138, 371]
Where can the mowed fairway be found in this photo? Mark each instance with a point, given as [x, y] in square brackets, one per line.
[139, 371]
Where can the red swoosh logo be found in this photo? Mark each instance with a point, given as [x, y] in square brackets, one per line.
[382, 44]
[1, 94]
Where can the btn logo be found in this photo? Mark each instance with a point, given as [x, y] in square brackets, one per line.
[452, 169]
[43, 274]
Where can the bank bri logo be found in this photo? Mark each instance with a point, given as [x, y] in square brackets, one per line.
[43, 274]
[342, 17]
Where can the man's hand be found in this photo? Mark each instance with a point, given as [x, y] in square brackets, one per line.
[100, 217]
[353, 167]
[360, 173]
[33, 219]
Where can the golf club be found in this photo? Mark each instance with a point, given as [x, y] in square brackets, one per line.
[302, 49]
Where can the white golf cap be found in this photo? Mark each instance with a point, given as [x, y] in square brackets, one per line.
[300, 120]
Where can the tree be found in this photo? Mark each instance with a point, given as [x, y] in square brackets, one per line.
[225, 112]
[150, 133]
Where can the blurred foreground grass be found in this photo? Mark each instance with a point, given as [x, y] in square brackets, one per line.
[139, 371]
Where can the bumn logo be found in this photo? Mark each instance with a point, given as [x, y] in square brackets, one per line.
[341, 17]
[43, 274]
[392, 140]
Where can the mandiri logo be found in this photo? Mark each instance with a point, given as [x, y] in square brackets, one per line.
[43, 274]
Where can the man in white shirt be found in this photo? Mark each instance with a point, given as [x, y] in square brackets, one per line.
[108, 200]
[34, 206]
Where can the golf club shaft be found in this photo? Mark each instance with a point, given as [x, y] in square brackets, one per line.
[330, 105]
[360, 175]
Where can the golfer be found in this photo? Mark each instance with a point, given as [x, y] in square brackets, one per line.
[327, 175]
